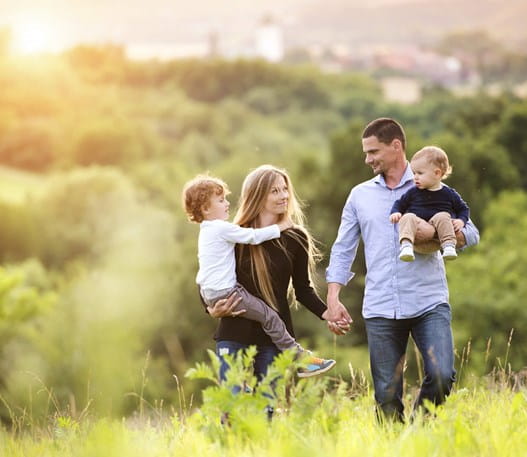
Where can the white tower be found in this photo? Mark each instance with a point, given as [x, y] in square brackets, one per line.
[269, 40]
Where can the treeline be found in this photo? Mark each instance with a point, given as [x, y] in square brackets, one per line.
[106, 261]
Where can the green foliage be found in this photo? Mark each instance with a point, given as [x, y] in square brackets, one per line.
[24, 295]
[30, 148]
[108, 142]
[511, 135]
[113, 141]
[98, 63]
[240, 397]
[18, 233]
[115, 294]
[487, 283]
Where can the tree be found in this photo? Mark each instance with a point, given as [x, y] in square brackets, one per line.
[511, 134]
[28, 147]
[488, 287]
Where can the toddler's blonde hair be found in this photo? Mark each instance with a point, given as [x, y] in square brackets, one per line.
[437, 157]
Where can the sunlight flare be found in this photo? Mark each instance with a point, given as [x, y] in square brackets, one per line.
[34, 34]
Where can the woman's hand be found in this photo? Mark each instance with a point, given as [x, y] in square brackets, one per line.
[337, 328]
[225, 307]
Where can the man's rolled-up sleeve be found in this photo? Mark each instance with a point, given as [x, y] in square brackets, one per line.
[344, 248]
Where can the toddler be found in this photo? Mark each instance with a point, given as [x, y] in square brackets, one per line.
[432, 201]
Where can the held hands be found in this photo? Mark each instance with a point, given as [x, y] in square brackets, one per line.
[458, 224]
[225, 307]
[285, 223]
[395, 217]
[337, 317]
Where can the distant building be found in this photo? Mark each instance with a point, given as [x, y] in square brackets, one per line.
[167, 51]
[214, 46]
[401, 90]
[269, 40]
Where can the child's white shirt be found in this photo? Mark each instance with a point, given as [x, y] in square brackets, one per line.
[217, 238]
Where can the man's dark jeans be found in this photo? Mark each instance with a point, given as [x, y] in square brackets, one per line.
[387, 341]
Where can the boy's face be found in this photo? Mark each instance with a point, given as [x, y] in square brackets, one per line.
[218, 208]
[426, 175]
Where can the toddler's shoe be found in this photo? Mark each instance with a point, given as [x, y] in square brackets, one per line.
[314, 366]
[449, 253]
[407, 253]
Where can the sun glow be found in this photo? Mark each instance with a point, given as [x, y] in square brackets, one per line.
[33, 34]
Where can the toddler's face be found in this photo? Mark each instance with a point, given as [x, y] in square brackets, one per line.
[426, 175]
[218, 208]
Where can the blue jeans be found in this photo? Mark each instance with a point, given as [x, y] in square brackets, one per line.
[264, 356]
[387, 341]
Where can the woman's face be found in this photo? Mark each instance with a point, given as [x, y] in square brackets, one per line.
[277, 198]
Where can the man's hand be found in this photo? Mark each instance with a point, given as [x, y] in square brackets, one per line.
[458, 224]
[336, 312]
[395, 217]
[341, 325]
[225, 307]
[336, 315]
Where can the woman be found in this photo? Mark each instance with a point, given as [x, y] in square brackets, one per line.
[268, 269]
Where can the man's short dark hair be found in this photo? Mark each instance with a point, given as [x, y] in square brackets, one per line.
[386, 130]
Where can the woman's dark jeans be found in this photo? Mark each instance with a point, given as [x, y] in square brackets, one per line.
[264, 356]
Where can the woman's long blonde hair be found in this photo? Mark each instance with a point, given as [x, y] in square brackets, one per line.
[255, 190]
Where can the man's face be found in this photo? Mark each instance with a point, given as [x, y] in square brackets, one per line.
[379, 156]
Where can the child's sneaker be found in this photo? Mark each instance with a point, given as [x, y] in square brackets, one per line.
[449, 253]
[407, 253]
[314, 366]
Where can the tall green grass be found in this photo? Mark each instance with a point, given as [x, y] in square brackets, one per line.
[313, 417]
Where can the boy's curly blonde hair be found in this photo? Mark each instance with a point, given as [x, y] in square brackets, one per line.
[197, 193]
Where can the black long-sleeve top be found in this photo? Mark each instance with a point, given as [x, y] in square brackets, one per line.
[282, 270]
[425, 203]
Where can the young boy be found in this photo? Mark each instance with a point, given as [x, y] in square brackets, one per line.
[432, 201]
[205, 202]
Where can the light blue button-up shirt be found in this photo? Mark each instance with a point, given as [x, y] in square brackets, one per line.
[394, 289]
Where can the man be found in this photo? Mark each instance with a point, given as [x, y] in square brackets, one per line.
[400, 298]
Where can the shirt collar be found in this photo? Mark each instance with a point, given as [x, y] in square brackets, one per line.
[407, 176]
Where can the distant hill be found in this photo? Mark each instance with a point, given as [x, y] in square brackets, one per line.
[410, 21]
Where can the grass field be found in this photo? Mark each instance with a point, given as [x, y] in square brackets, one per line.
[476, 422]
[315, 417]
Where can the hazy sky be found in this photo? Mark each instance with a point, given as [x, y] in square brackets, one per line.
[61, 23]
[58, 24]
